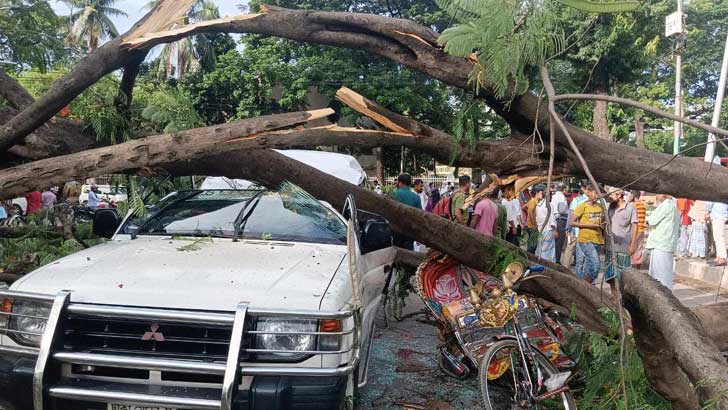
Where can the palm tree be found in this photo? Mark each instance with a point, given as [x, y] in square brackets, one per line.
[91, 21]
[183, 56]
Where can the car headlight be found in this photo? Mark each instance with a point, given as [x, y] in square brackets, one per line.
[289, 342]
[29, 320]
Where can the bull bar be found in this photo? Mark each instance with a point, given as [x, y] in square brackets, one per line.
[231, 369]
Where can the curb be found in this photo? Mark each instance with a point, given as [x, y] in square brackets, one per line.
[698, 269]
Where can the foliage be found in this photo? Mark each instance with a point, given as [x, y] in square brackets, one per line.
[598, 359]
[42, 244]
[173, 110]
[91, 21]
[30, 34]
[507, 37]
[94, 107]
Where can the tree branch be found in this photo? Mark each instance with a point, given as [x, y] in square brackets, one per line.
[13, 92]
[643, 107]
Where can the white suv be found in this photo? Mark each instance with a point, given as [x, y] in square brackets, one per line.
[218, 299]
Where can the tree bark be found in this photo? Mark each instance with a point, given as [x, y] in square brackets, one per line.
[62, 136]
[713, 319]
[14, 93]
[151, 151]
[128, 80]
[600, 122]
[379, 164]
[673, 343]
[204, 142]
[639, 130]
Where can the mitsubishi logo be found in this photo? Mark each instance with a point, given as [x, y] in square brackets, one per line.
[158, 336]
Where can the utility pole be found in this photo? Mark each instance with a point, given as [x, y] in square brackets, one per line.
[710, 148]
[675, 27]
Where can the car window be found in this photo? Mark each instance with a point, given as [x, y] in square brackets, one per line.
[285, 214]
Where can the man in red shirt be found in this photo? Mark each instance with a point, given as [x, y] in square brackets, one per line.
[35, 201]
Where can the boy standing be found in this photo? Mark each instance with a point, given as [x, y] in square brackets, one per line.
[589, 218]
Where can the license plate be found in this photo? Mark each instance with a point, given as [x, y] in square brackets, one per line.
[114, 406]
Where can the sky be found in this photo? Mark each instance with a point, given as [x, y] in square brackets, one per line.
[135, 10]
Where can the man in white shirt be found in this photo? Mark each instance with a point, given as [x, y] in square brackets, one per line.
[548, 230]
[513, 209]
[560, 208]
[420, 191]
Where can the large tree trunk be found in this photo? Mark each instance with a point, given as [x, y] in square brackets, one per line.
[600, 122]
[639, 130]
[254, 133]
[379, 164]
[673, 344]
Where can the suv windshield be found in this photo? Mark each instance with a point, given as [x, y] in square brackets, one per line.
[286, 214]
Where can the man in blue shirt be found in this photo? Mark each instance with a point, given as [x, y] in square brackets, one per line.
[404, 194]
[93, 197]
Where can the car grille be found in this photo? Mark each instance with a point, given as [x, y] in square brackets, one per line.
[180, 340]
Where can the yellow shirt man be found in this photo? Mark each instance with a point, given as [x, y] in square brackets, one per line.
[590, 213]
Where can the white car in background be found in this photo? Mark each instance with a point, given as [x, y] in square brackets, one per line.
[220, 298]
[107, 192]
[20, 205]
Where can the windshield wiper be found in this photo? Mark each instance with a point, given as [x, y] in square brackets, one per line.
[242, 218]
[183, 195]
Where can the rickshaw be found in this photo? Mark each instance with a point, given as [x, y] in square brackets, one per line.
[508, 339]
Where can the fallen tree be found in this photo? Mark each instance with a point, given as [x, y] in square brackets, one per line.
[673, 326]
[410, 44]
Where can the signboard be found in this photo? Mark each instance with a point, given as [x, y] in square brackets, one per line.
[674, 24]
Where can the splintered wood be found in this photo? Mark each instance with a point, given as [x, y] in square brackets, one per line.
[149, 39]
[163, 16]
[360, 104]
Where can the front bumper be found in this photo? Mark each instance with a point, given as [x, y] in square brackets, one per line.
[265, 393]
[34, 380]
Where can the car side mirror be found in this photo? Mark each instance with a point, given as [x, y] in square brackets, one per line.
[376, 235]
[106, 222]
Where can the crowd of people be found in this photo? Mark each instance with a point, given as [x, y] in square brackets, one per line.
[597, 236]
[38, 201]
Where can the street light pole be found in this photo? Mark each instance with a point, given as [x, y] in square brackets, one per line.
[710, 148]
[679, 42]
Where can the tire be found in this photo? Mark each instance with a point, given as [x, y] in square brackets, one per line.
[498, 394]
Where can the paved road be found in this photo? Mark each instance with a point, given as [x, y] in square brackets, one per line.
[403, 368]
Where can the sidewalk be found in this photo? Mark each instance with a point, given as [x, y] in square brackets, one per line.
[696, 275]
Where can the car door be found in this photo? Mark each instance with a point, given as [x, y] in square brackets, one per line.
[368, 267]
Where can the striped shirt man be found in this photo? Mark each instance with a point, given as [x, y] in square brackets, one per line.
[641, 215]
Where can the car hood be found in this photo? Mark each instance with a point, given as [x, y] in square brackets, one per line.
[206, 274]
